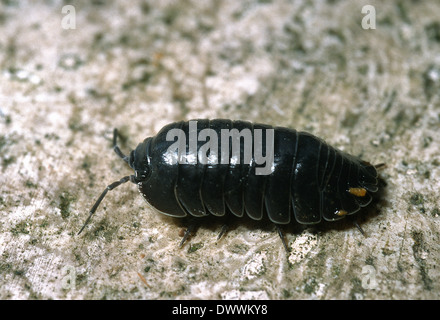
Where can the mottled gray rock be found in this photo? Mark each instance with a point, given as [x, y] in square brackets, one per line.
[138, 65]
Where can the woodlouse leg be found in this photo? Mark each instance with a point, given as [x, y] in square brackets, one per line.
[380, 166]
[282, 237]
[224, 229]
[359, 228]
[191, 229]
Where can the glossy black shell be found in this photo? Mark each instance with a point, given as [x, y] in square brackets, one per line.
[310, 180]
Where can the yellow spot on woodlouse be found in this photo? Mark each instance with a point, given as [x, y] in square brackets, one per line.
[341, 213]
[358, 192]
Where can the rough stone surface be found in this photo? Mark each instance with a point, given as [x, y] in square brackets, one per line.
[138, 65]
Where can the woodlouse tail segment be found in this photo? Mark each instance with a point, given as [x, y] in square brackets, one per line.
[101, 197]
[116, 147]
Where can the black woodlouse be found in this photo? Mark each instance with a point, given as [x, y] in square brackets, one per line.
[308, 180]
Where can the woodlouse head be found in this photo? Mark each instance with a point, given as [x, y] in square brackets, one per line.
[139, 161]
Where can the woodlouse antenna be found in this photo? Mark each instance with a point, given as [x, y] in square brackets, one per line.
[116, 147]
[109, 187]
[112, 185]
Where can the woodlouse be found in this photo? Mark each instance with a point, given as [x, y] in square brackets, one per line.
[308, 180]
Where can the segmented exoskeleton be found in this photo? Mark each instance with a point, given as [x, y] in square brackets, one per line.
[308, 180]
